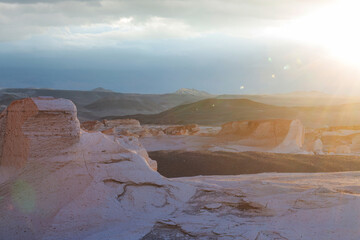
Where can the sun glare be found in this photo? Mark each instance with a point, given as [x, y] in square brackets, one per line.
[334, 27]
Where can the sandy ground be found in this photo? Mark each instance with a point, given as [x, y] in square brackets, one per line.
[193, 163]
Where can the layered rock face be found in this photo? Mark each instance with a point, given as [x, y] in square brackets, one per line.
[274, 133]
[36, 127]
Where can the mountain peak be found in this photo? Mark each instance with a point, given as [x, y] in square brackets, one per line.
[100, 89]
[192, 91]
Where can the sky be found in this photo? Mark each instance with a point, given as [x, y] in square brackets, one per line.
[159, 46]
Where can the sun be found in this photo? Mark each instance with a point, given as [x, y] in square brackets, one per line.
[334, 27]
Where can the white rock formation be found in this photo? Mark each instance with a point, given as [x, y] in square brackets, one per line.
[102, 187]
[294, 140]
[318, 147]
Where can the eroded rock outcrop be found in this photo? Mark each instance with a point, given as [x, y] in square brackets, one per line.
[36, 127]
[277, 134]
[190, 129]
[108, 124]
[92, 125]
[132, 127]
[334, 140]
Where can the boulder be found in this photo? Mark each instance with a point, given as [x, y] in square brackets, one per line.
[36, 127]
[109, 131]
[92, 126]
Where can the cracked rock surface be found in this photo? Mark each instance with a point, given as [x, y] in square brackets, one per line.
[103, 187]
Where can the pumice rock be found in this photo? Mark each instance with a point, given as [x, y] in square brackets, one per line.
[36, 127]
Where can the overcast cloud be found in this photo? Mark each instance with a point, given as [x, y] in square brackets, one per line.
[144, 18]
[156, 46]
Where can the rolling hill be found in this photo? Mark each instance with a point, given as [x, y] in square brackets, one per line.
[219, 111]
[295, 99]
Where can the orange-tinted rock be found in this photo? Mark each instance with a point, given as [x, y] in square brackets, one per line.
[92, 126]
[36, 127]
[343, 149]
[334, 138]
[271, 133]
[109, 131]
[190, 129]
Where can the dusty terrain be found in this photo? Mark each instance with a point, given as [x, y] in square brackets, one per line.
[194, 163]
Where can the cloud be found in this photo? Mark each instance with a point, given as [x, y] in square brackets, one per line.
[21, 19]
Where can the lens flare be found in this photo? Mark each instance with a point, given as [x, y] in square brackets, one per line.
[23, 196]
[334, 28]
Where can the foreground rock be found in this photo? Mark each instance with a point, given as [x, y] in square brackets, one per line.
[102, 187]
[36, 127]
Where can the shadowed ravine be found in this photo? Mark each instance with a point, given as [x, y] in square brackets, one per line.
[186, 164]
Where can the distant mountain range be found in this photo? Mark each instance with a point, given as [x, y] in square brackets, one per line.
[100, 89]
[194, 106]
[311, 98]
[193, 92]
[101, 102]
